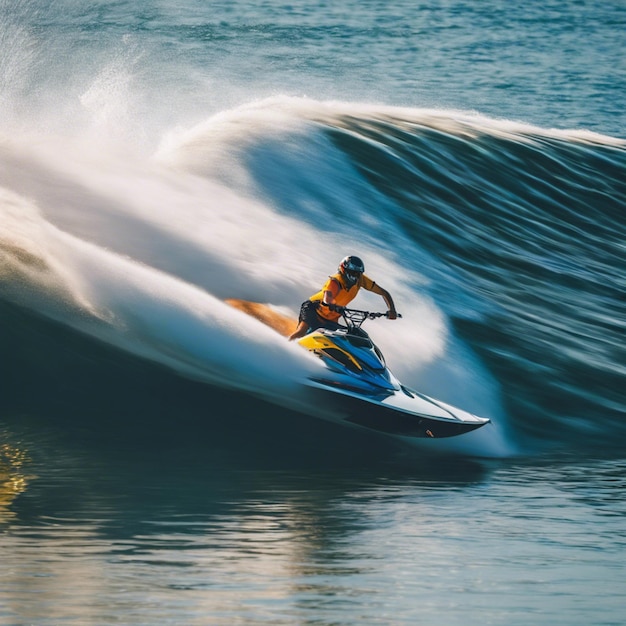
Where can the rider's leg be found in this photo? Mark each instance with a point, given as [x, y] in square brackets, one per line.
[300, 331]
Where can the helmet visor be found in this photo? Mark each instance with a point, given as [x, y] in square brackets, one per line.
[353, 275]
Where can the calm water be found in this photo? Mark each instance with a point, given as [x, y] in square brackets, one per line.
[177, 531]
[158, 157]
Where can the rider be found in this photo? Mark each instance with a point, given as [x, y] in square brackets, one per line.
[323, 309]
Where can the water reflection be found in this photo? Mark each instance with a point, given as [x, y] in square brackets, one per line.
[108, 522]
[13, 477]
[183, 529]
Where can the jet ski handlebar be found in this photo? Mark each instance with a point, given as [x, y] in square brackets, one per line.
[356, 317]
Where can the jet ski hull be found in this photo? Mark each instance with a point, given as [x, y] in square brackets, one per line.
[402, 413]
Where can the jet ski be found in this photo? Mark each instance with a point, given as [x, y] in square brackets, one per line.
[363, 392]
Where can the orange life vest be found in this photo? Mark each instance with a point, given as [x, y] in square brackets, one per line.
[342, 294]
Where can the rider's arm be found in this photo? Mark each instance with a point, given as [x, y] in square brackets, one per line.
[373, 287]
[392, 314]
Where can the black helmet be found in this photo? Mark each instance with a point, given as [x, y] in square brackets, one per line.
[351, 267]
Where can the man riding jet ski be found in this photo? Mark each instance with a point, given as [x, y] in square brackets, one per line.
[355, 387]
[323, 309]
[356, 381]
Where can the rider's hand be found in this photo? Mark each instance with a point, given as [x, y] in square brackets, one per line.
[336, 308]
[392, 315]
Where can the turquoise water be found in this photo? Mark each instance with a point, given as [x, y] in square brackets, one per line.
[157, 462]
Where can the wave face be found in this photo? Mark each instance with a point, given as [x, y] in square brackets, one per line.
[513, 234]
[502, 243]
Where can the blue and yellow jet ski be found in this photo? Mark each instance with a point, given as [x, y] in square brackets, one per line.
[356, 388]
[357, 381]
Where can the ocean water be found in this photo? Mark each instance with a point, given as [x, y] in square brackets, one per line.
[158, 464]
